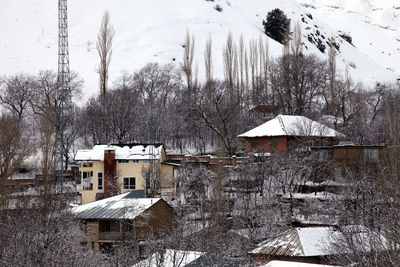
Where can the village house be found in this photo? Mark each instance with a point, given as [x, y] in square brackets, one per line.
[350, 160]
[123, 217]
[285, 132]
[107, 170]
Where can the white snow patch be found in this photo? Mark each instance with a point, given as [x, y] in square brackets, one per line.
[170, 258]
[293, 264]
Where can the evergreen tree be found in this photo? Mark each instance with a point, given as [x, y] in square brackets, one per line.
[276, 24]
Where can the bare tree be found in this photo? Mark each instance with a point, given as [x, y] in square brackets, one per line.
[229, 55]
[15, 94]
[369, 203]
[208, 63]
[187, 66]
[16, 145]
[44, 239]
[220, 113]
[104, 49]
[297, 82]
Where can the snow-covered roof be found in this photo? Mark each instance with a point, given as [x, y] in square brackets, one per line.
[170, 258]
[293, 264]
[317, 195]
[136, 152]
[299, 242]
[288, 125]
[116, 208]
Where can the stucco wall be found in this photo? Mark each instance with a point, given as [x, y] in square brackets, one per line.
[130, 169]
[90, 195]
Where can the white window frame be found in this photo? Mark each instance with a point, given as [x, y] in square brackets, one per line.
[130, 186]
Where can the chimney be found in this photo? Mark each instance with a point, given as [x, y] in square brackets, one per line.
[109, 172]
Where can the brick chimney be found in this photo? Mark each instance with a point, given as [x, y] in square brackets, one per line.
[109, 172]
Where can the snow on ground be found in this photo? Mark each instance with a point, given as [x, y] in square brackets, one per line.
[170, 258]
[154, 31]
[316, 195]
[293, 264]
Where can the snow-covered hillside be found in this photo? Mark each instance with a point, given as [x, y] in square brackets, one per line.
[154, 30]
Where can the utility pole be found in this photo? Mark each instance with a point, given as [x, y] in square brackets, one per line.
[64, 105]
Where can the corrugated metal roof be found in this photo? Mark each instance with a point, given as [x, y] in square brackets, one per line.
[114, 208]
[297, 242]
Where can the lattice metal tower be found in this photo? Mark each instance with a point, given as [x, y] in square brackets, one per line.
[64, 104]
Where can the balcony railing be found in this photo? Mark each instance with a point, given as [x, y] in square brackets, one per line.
[87, 184]
[87, 187]
[110, 235]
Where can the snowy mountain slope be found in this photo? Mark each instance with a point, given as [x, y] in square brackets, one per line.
[154, 31]
[374, 26]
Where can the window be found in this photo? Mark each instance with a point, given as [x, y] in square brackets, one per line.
[135, 161]
[107, 226]
[123, 161]
[254, 142]
[148, 181]
[344, 172]
[129, 183]
[273, 142]
[83, 226]
[323, 154]
[87, 164]
[87, 180]
[127, 226]
[370, 155]
[86, 175]
[100, 181]
[146, 161]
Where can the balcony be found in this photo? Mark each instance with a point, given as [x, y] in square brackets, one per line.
[87, 183]
[87, 187]
[110, 235]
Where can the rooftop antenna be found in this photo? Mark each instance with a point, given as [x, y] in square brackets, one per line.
[63, 93]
